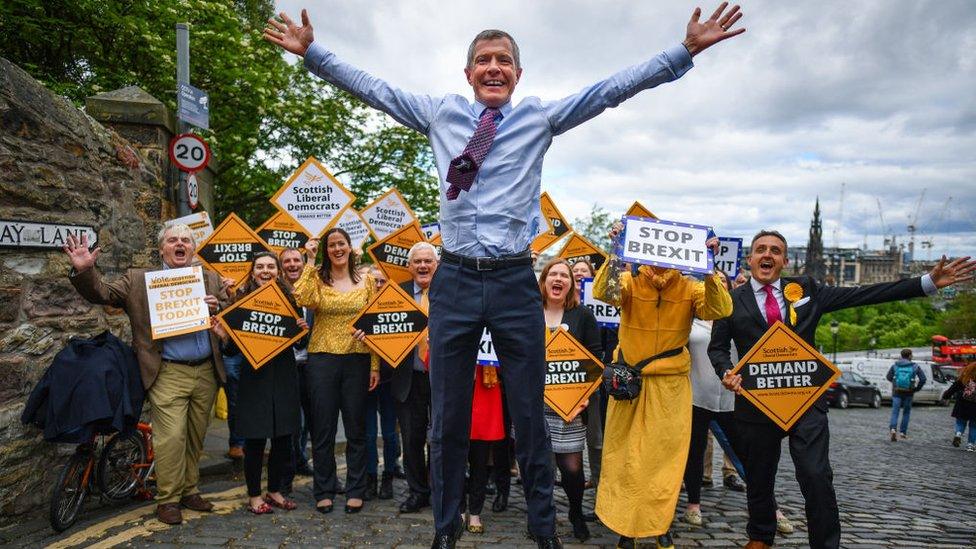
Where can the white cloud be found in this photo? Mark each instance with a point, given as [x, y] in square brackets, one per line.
[876, 94]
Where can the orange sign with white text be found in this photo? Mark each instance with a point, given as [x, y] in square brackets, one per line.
[572, 374]
[390, 254]
[229, 249]
[558, 226]
[262, 324]
[783, 375]
[393, 324]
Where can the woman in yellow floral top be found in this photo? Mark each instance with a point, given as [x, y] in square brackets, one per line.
[341, 370]
[645, 442]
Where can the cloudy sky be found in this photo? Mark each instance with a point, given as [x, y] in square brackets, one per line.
[877, 96]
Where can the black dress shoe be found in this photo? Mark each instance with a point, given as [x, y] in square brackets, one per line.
[386, 486]
[623, 542]
[500, 503]
[414, 503]
[350, 510]
[447, 540]
[580, 531]
[370, 494]
[324, 509]
[733, 483]
[551, 542]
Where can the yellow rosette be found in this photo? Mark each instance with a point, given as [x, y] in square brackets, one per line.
[792, 292]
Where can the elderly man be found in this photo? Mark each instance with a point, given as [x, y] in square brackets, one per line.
[180, 373]
[489, 156]
[798, 302]
[411, 387]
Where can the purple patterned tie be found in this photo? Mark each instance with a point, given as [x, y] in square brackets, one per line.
[464, 168]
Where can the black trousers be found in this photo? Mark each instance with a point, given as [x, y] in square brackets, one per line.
[478, 452]
[463, 301]
[700, 418]
[278, 462]
[502, 455]
[414, 417]
[338, 383]
[809, 441]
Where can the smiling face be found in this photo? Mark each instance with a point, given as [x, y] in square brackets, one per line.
[493, 72]
[559, 282]
[292, 263]
[422, 265]
[767, 259]
[176, 249]
[338, 249]
[264, 270]
[580, 271]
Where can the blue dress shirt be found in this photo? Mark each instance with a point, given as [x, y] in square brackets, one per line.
[500, 214]
[187, 347]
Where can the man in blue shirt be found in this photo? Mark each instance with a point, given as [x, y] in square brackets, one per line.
[489, 155]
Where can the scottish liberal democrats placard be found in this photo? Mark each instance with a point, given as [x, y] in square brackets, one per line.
[783, 375]
[393, 324]
[670, 244]
[262, 324]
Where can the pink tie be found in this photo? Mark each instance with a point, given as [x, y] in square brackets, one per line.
[464, 168]
[772, 307]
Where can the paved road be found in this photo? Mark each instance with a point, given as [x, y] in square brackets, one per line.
[913, 493]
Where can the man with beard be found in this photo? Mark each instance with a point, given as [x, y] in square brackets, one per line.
[180, 373]
[799, 302]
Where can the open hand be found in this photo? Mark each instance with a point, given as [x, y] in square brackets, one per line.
[945, 274]
[717, 28]
[80, 256]
[288, 35]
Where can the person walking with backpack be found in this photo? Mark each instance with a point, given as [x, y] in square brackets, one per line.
[965, 409]
[906, 379]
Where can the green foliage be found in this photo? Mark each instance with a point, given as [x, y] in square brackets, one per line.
[909, 323]
[266, 116]
[595, 227]
[959, 319]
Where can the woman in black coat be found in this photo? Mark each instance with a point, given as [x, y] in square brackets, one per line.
[965, 409]
[267, 404]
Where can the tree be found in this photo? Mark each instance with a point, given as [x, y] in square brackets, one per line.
[595, 227]
[960, 318]
[266, 116]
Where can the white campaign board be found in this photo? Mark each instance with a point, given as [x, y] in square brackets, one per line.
[670, 244]
[176, 305]
[313, 197]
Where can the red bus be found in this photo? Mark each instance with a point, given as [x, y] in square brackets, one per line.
[953, 354]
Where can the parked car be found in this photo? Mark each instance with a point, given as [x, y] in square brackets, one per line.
[851, 388]
[875, 370]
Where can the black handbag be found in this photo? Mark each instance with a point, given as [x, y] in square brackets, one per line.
[623, 381]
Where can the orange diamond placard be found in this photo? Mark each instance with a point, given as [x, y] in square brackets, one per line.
[262, 324]
[390, 254]
[229, 249]
[387, 214]
[572, 373]
[558, 226]
[783, 375]
[578, 247]
[639, 210]
[313, 197]
[280, 231]
[393, 323]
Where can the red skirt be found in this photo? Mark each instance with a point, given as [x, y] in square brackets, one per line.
[486, 410]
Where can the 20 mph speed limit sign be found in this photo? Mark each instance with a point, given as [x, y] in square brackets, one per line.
[189, 152]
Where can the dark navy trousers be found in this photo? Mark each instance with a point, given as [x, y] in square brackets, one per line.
[507, 301]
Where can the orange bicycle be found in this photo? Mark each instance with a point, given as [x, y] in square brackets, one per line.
[122, 469]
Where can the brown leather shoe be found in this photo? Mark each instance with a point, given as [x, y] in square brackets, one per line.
[196, 503]
[169, 513]
[753, 544]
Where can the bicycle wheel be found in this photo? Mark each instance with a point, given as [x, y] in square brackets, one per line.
[70, 490]
[117, 475]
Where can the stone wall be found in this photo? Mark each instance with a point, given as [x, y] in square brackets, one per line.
[57, 164]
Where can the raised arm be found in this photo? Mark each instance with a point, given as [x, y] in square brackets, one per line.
[668, 65]
[411, 110]
[86, 278]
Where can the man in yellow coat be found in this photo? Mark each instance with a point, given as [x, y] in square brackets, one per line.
[646, 439]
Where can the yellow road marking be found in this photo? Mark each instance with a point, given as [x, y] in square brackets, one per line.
[224, 502]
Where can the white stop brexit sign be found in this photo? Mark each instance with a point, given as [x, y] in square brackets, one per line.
[189, 152]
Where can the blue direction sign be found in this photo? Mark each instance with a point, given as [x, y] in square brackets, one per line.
[193, 106]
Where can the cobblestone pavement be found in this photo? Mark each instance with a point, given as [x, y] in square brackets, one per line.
[913, 493]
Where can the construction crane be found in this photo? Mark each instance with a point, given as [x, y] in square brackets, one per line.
[840, 215]
[912, 227]
[884, 226]
[927, 239]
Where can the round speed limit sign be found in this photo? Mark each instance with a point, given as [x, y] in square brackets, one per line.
[189, 152]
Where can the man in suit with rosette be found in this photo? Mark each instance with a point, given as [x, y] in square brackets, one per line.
[798, 302]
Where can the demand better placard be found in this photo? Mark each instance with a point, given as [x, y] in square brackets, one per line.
[669, 244]
[783, 375]
[176, 305]
[390, 254]
[572, 373]
[262, 324]
[393, 324]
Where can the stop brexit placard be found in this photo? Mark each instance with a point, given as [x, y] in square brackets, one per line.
[263, 324]
[393, 324]
[229, 249]
[572, 374]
